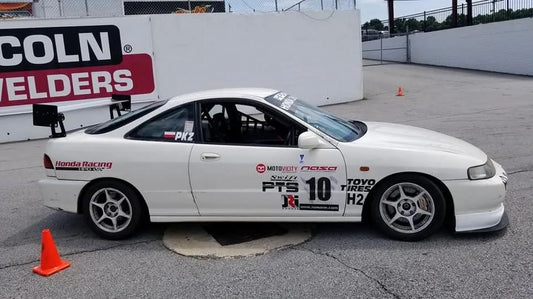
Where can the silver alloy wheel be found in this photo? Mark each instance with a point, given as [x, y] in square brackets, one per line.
[406, 208]
[110, 210]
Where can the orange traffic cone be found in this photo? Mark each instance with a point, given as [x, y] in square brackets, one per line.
[400, 92]
[51, 263]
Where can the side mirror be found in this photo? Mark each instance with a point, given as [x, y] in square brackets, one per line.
[308, 140]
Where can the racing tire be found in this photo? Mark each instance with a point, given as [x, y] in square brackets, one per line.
[408, 207]
[112, 210]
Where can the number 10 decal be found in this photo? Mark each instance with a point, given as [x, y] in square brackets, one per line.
[324, 188]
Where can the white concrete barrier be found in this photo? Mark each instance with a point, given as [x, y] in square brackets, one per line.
[497, 47]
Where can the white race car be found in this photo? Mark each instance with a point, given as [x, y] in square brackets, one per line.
[263, 155]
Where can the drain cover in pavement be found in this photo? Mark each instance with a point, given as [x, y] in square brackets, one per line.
[235, 233]
[228, 240]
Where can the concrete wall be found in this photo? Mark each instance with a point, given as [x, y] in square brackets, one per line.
[498, 47]
[316, 57]
[505, 47]
[394, 49]
[315, 60]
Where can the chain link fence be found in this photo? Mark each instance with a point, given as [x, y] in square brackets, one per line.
[109, 8]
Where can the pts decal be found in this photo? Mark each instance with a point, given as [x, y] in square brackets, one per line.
[291, 187]
[83, 166]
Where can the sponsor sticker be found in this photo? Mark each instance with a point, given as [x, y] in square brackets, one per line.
[316, 168]
[289, 202]
[189, 126]
[290, 187]
[179, 136]
[261, 168]
[53, 64]
[83, 165]
[318, 207]
[356, 190]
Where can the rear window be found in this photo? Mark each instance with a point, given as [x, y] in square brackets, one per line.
[122, 120]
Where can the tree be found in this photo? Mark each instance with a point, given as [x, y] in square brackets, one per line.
[375, 24]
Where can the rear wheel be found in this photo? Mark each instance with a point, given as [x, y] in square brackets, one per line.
[408, 207]
[112, 209]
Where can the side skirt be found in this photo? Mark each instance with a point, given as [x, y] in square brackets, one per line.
[251, 219]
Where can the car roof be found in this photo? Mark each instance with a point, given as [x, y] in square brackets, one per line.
[224, 93]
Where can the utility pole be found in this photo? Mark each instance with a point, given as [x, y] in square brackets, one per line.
[391, 16]
[454, 13]
[468, 12]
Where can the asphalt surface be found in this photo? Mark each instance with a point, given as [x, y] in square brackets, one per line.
[492, 111]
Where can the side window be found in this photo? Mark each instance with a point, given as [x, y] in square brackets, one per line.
[237, 123]
[175, 125]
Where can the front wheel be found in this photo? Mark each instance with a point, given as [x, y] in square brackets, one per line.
[112, 210]
[408, 207]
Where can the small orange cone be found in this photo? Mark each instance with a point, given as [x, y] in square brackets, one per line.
[400, 92]
[51, 263]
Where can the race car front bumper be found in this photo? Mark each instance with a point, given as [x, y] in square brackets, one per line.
[61, 194]
[479, 204]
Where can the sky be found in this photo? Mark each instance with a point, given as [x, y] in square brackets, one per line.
[370, 9]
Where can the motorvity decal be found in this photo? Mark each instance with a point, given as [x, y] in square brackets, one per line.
[261, 168]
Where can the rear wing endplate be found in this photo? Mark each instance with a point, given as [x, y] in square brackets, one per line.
[49, 115]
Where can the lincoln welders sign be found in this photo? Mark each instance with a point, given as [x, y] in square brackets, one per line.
[65, 63]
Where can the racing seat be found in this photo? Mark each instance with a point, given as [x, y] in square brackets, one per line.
[220, 128]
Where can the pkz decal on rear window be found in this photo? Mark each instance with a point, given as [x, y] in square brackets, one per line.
[179, 136]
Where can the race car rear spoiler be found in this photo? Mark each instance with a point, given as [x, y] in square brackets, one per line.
[49, 115]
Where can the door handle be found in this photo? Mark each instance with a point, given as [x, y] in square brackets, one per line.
[209, 156]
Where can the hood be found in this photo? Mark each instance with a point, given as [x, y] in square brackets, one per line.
[412, 138]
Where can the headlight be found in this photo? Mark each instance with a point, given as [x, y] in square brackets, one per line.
[485, 171]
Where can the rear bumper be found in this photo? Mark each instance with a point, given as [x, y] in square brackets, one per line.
[61, 194]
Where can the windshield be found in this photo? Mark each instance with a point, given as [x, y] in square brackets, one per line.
[327, 123]
[124, 119]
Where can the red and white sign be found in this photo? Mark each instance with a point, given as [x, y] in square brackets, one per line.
[61, 62]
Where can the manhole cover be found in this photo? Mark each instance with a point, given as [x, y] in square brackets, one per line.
[227, 240]
[235, 233]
